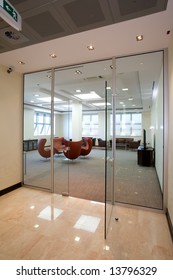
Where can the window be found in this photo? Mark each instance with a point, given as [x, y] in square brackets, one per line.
[42, 123]
[90, 125]
[129, 124]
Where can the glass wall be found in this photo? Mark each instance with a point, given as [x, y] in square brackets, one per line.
[109, 107]
[78, 113]
[37, 130]
[139, 130]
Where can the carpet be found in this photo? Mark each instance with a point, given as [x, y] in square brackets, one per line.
[85, 177]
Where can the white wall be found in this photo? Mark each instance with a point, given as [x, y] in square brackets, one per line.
[101, 132]
[59, 125]
[170, 137]
[76, 121]
[157, 128]
[11, 128]
[146, 123]
[28, 124]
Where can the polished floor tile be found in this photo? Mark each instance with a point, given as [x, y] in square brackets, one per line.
[39, 225]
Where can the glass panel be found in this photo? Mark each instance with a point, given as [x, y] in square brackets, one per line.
[80, 114]
[139, 130]
[62, 132]
[37, 130]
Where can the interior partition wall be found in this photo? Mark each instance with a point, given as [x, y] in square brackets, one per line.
[109, 100]
[37, 125]
[68, 103]
[140, 130]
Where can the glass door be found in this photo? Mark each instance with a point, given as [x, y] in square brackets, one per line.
[76, 102]
[37, 130]
[79, 120]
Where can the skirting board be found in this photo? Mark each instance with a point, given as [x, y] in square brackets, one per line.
[10, 189]
[169, 223]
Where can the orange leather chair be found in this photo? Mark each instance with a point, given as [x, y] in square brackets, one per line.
[87, 147]
[73, 149]
[44, 152]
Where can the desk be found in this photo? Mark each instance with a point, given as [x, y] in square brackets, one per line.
[146, 157]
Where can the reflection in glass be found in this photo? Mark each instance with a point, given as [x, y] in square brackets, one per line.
[139, 181]
[37, 130]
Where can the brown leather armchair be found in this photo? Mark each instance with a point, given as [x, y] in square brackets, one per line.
[72, 149]
[87, 147]
[43, 151]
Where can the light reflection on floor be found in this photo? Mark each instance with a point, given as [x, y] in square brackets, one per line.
[39, 225]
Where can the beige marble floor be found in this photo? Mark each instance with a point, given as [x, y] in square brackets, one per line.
[38, 225]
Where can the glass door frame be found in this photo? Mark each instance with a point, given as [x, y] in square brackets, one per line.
[110, 161]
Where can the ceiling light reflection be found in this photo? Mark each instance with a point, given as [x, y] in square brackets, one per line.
[50, 213]
[106, 247]
[87, 223]
[77, 238]
[36, 226]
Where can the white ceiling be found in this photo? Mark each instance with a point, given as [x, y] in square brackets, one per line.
[117, 40]
[112, 40]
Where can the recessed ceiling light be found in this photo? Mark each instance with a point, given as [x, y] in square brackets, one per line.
[78, 90]
[53, 55]
[139, 38]
[125, 89]
[130, 98]
[21, 62]
[48, 99]
[78, 72]
[32, 101]
[88, 96]
[121, 102]
[67, 105]
[133, 105]
[36, 95]
[101, 104]
[90, 48]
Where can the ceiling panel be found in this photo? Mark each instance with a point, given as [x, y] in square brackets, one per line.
[44, 24]
[45, 20]
[131, 6]
[84, 13]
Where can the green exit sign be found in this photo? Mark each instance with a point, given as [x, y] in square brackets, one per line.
[10, 15]
[9, 9]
